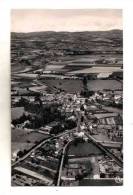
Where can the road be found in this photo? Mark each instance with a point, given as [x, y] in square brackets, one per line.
[118, 161]
[103, 146]
[110, 154]
[65, 147]
[39, 145]
[98, 144]
[61, 162]
[110, 144]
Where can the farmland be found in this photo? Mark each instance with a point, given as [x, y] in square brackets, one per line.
[66, 85]
[24, 139]
[17, 112]
[83, 149]
[101, 85]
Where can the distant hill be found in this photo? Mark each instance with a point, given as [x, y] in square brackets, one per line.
[40, 48]
[65, 34]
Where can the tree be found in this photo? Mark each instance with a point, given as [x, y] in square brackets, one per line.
[20, 154]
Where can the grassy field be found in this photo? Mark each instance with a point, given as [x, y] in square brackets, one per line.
[15, 69]
[22, 135]
[104, 84]
[83, 149]
[67, 85]
[22, 139]
[99, 182]
[77, 85]
[98, 70]
[17, 112]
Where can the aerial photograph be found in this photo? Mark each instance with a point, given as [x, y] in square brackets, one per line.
[66, 97]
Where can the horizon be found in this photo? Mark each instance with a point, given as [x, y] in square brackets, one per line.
[65, 20]
[67, 31]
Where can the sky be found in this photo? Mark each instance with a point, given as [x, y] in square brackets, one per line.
[30, 20]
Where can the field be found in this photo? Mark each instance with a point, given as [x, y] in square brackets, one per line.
[77, 85]
[24, 139]
[67, 85]
[107, 69]
[104, 84]
[38, 88]
[83, 149]
[18, 68]
[17, 112]
[99, 182]
[54, 67]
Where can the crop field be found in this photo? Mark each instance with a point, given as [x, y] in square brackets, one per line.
[54, 67]
[98, 70]
[15, 69]
[67, 85]
[87, 58]
[22, 82]
[16, 146]
[95, 85]
[83, 149]
[99, 182]
[77, 85]
[17, 112]
[38, 88]
[22, 135]
[23, 139]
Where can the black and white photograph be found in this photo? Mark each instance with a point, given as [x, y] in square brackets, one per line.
[66, 97]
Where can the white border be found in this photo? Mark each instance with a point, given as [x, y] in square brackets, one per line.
[5, 7]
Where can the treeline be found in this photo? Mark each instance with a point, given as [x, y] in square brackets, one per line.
[40, 115]
[60, 127]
